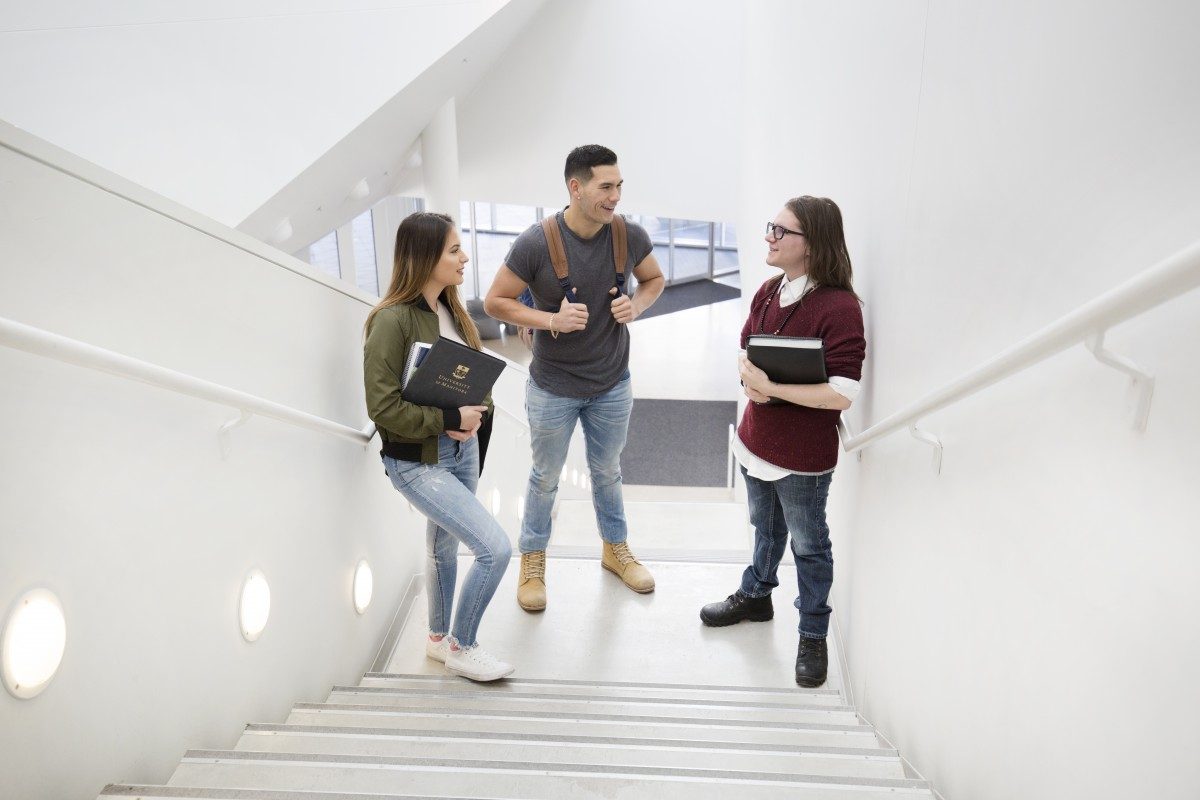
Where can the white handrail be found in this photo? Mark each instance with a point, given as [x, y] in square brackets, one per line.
[1170, 278]
[71, 351]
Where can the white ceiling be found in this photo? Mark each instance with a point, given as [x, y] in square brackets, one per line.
[217, 105]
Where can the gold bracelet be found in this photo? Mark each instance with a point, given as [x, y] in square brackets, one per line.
[553, 333]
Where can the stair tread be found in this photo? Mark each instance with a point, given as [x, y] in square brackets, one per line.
[471, 692]
[614, 752]
[580, 716]
[533, 769]
[878, 752]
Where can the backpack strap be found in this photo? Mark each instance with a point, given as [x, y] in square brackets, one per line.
[620, 250]
[558, 255]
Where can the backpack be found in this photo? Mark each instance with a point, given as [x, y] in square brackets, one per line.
[558, 253]
[558, 257]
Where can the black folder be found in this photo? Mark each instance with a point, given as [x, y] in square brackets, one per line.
[452, 375]
[788, 359]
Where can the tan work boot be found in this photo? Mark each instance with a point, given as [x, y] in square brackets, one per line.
[531, 585]
[618, 560]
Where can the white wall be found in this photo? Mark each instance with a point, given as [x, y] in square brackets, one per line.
[215, 105]
[1022, 625]
[116, 497]
[997, 166]
[657, 82]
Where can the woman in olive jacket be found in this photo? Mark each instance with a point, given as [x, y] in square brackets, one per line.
[432, 454]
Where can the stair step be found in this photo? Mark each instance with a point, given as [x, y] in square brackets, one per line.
[526, 780]
[148, 792]
[634, 691]
[532, 747]
[574, 704]
[558, 724]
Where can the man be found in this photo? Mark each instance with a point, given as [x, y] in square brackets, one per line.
[580, 369]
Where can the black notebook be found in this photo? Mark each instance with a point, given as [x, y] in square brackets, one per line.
[788, 359]
[450, 375]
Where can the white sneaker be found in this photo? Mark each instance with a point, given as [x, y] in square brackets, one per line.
[437, 650]
[477, 664]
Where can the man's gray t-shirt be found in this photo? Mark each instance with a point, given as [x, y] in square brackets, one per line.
[589, 362]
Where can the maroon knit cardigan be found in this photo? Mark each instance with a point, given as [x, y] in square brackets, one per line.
[795, 437]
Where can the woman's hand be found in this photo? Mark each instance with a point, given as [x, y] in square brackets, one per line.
[756, 397]
[471, 416]
[754, 379]
[462, 436]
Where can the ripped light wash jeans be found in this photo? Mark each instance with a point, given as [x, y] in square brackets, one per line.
[445, 494]
[552, 418]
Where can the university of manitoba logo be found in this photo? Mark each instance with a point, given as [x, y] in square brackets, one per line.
[460, 372]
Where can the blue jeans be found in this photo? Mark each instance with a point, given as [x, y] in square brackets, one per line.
[794, 503]
[445, 494]
[552, 418]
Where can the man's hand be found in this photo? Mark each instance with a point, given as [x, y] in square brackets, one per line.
[753, 378]
[570, 317]
[622, 307]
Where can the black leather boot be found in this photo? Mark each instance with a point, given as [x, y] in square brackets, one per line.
[812, 662]
[736, 608]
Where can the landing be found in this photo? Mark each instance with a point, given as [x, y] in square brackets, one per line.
[596, 629]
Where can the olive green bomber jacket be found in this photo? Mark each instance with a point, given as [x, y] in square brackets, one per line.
[409, 432]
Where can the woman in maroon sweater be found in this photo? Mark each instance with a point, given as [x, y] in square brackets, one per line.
[788, 450]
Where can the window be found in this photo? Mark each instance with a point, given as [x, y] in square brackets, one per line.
[323, 254]
[365, 274]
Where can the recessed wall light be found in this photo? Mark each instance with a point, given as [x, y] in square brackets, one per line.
[35, 637]
[254, 608]
[364, 586]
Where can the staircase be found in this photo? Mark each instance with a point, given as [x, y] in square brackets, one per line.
[616, 695]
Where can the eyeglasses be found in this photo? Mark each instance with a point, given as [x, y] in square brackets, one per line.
[777, 232]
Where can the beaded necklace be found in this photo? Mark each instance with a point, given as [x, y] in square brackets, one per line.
[762, 317]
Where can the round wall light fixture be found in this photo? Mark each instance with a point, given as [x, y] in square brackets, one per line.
[35, 637]
[364, 586]
[254, 607]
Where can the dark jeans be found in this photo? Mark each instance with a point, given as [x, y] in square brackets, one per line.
[795, 503]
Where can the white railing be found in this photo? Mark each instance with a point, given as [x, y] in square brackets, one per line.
[1086, 325]
[51, 345]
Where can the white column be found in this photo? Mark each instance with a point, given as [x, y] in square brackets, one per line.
[439, 161]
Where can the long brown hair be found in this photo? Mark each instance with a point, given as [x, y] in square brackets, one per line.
[828, 257]
[420, 242]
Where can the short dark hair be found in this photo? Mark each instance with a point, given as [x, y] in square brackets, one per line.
[581, 160]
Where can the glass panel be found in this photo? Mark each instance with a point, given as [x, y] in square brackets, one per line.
[514, 219]
[323, 254]
[363, 232]
[691, 231]
[493, 247]
[464, 215]
[727, 235]
[690, 262]
[725, 261]
[657, 227]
